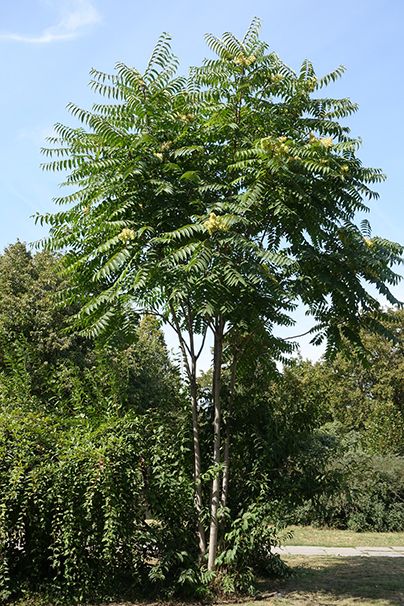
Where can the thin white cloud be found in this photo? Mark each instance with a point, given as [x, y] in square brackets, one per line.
[75, 15]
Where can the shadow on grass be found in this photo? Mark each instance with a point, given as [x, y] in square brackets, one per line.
[332, 580]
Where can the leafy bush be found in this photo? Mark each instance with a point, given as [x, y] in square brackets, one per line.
[73, 501]
[80, 473]
[246, 550]
[370, 495]
[279, 458]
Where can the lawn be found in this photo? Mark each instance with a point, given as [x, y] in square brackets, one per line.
[326, 537]
[333, 581]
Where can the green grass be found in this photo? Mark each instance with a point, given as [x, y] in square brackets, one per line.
[332, 581]
[326, 537]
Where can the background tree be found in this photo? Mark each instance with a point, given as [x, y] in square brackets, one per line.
[277, 457]
[218, 202]
[26, 284]
[60, 366]
[366, 398]
[361, 428]
[91, 440]
[32, 329]
[75, 490]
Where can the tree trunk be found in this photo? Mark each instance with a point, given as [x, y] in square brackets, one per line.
[197, 470]
[226, 471]
[217, 367]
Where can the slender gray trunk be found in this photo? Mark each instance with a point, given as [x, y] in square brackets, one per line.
[226, 470]
[217, 367]
[197, 470]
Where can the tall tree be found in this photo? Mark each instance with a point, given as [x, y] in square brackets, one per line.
[365, 398]
[30, 326]
[218, 202]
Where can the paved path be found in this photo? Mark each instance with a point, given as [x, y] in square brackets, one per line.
[389, 552]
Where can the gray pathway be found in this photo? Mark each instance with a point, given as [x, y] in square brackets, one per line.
[389, 552]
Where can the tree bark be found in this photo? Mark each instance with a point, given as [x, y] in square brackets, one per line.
[197, 469]
[217, 367]
[226, 471]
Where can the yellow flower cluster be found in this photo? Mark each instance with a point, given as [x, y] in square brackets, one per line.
[159, 156]
[244, 61]
[312, 138]
[215, 223]
[276, 78]
[327, 142]
[166, 146]
[344, 169]
[126, 234]
[186, 117]
[311, 84]
[277, 146]
[281, 146]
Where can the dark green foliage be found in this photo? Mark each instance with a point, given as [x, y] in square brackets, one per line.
[365, 396]
[362, 438]
[33, 336]
[231, 193]
[120, 379]
[81, 468]
[88, 446]
[370, 496]
[376, 490]
[73, 504]
[27, 283]
[275, 456]
[277, 464]
[246, 550]
[75, 494]
[61, 368]
[370, 398]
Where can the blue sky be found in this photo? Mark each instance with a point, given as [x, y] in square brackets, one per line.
[47, 48]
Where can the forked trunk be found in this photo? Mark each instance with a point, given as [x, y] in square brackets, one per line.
[191, 372]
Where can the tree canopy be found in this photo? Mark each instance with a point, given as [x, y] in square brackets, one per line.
[364, 398]
[62, 368]
[219, 201]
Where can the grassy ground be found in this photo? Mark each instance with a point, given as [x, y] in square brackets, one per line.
[321, 537]
[332, 581]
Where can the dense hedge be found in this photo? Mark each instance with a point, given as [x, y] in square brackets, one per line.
[73, 503]
[370, 495]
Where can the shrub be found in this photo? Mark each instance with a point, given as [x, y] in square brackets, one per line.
[246, 549]
[73, 499]
[370, 496]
